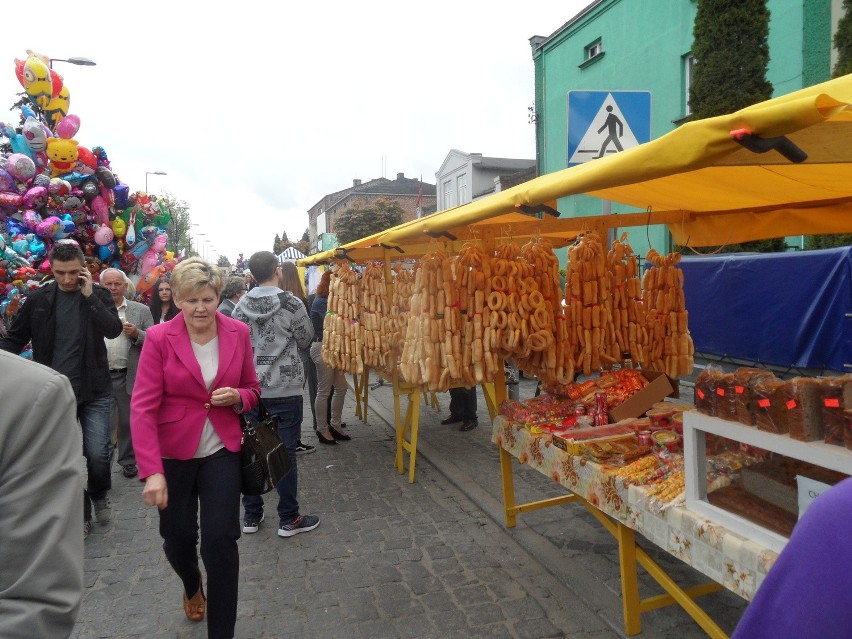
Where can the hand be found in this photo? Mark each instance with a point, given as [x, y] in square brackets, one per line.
[130, 330]
[156, 493]
[86, 282]
[225, 397]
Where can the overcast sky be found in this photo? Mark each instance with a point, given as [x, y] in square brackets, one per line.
[256, 114]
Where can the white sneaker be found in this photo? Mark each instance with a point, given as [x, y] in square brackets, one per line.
[250, 525]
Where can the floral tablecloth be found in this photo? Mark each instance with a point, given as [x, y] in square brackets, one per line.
[726, 557]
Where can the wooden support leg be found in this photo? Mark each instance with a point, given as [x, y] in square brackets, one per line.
[508, 488]
[629, 579]
[413, 427]
[397, 416]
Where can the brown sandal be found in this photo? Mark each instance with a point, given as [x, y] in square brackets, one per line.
[194, 608]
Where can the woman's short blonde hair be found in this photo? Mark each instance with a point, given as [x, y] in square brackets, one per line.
[194, 274]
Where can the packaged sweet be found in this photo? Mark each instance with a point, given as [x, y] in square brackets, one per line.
[726, 397]
[744, 381]
[705, 390]
[769, 412]
[832, 397]
[804, 414]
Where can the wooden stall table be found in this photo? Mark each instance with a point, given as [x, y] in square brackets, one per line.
[730, 560]
[406, 426]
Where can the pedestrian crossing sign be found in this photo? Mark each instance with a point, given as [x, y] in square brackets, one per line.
[601, 123]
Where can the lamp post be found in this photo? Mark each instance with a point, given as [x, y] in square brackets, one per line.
[199, 237]
[79, 61]
[147, 173]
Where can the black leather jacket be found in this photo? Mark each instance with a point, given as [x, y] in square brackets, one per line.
[36, 322]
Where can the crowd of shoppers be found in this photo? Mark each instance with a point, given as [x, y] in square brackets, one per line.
[165, 386]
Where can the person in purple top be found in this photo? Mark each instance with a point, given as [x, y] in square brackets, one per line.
[807, 592]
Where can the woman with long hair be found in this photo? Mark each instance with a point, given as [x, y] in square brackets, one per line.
[289, 280]
[162, 304]
[328, 430]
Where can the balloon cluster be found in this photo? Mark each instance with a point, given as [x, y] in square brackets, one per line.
[53, 188]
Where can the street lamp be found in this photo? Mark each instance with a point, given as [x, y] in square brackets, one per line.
[198, 245]
[83, 62]
[147, 173]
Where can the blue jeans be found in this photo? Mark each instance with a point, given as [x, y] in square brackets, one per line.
[289, 413]
[94, 419]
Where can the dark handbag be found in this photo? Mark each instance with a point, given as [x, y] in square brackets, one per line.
[264, 457]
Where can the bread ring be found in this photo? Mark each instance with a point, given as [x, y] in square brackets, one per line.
[500, 267]
[498, 283]
[525, 305]
[539, 341]
[540, 316]
[496, 300]
[501, 319]
[536, 299]
[521, 287]
[513, 321]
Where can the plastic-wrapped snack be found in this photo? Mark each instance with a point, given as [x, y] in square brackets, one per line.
[726, 397]
[832, 397]
[769, 412]
[804, 414]
[744, 381]
[705, 390]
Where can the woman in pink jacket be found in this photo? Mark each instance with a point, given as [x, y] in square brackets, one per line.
[196, 374]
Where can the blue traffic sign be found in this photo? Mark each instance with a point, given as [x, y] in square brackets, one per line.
[601, 123]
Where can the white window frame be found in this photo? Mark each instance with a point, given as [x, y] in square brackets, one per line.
[461, 188]
[689, 61]
[594, 49]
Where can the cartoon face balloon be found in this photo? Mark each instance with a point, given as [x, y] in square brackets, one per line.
[104, 235]
[37, 81]
[34, 135]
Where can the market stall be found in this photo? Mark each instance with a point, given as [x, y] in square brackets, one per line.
[782, 167]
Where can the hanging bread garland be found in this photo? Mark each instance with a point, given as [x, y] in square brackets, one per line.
[472, 316]
[341, 345]
[550, 357]
[403, 286]
[628, 309]
[670, 346]
[376, 322]
[589, 303]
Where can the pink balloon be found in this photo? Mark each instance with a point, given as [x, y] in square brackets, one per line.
[149, 260]
[101, 209]
[68, 126]
[31, 219]
[20, 167]
[103, 235]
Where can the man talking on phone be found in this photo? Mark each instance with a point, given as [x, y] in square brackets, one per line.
[67, 320]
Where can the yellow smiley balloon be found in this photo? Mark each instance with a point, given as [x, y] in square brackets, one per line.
[37, 81]
[119, 227]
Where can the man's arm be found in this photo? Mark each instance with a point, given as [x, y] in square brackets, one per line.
[103, 312]
[146, 322]
[302, 328]
[41, 477]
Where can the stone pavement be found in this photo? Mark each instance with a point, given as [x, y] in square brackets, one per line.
[392, 559]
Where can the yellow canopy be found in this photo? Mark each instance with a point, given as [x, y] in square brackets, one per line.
[697, 179]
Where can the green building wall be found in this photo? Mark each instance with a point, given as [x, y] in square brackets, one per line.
[645, 46]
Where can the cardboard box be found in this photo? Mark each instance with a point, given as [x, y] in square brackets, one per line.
[659, 387]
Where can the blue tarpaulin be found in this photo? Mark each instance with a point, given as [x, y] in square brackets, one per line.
[782, 309]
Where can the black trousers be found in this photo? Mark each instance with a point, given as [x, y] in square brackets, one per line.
[213, 483]
[463, 403]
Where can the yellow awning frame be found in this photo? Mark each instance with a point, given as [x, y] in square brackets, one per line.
[698, 180]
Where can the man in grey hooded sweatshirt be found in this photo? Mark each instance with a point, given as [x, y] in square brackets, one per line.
[279, 327]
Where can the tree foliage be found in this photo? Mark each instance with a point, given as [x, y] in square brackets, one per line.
[276, 244]
[355, 223]
[732, 54]
[224, 261]
[843, 42]
[180, 227]
[827, 241]
[775, 245]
